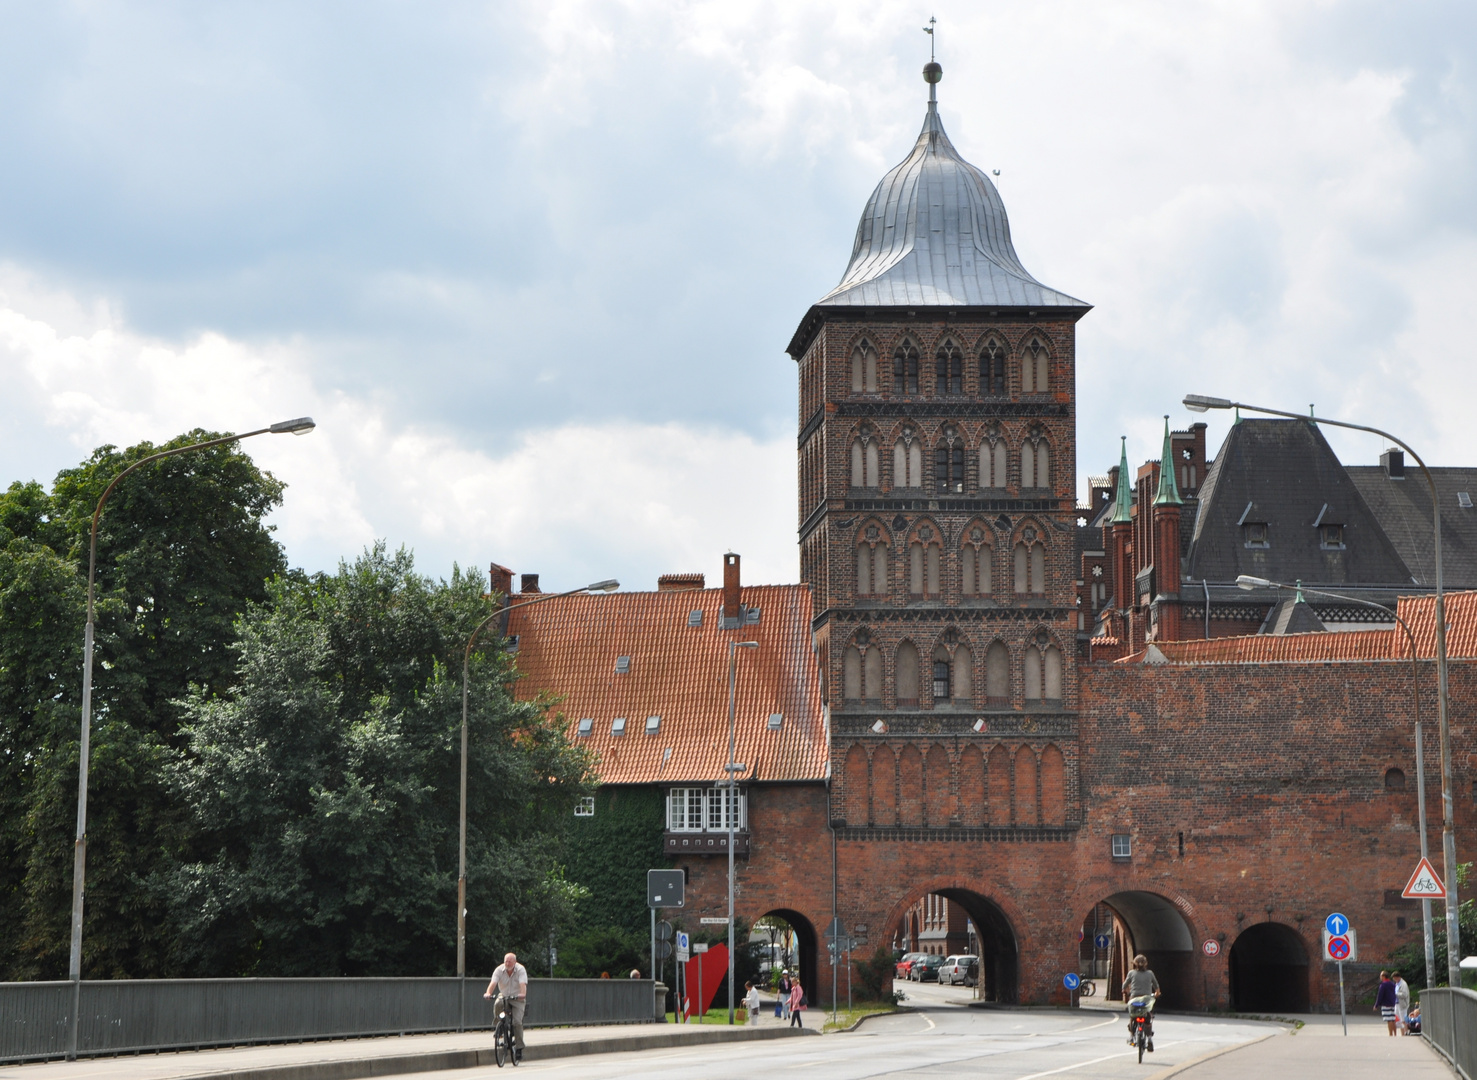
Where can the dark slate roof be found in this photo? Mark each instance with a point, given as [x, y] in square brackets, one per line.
[1403, 508]
[1283, 473]
[1292, 616]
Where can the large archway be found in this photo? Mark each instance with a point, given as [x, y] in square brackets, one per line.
[1127, 923]
[1269, 970]
[804, 946]
[991, 934]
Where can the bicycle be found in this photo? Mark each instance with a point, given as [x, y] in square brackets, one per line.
[1139, 1009]
[502, 1037]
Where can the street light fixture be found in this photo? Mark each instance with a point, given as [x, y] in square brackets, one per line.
[608, 585]
[1202, 402]
[300, 426]
[730, 810]
[1247, 582]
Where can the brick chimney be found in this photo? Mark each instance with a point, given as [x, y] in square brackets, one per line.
[732, 609]
[530, 583]
[680, 582]
[501, 579]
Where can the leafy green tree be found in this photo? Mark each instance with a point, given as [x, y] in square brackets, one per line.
[182, 550]
[323, 788]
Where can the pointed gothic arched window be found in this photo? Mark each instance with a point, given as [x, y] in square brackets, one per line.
[864, 369]
[992, 368]
[976, 563]
[1035, 368]
[948, 465]
[948, 370]
[905, 369]
[997, 674]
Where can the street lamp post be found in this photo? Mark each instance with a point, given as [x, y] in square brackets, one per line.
[1200, 403]
[1246, 581]
[609, 585]
[301, 426]
[730, 811]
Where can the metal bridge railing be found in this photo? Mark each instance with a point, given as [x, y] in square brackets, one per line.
[1449, 1021]
[181, 1014]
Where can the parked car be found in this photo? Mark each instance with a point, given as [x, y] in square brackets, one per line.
[926, 968]
[959, 970]
[905, 964]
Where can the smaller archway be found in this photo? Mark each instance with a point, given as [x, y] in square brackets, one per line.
[1269, 970]
[1127, 923]
[797, 937]
[951, 920]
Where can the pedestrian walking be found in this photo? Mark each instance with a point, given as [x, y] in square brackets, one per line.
[751, 1003]
[1384, 1001]
[797, 1002]
[785, 985]
[1402, 1002]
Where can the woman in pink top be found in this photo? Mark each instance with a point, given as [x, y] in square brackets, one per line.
[797, 1002]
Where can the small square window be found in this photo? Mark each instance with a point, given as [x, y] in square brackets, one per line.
[1331, 537]
[653, 724]
[585, 807]
[587, 725]
[622, 665]
[776, 721]
[695, 617]
[1464, 499]
[618, 726]
[1255, 533]
[1122, 846]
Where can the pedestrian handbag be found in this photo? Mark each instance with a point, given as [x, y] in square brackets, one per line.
[779, 1009]
[804, 1002]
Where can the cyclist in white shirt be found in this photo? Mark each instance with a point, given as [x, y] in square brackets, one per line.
[510, 983]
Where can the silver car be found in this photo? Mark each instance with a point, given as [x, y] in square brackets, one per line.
[959, 970]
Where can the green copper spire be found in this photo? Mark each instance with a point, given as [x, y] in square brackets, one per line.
[1123, 497]
[1169, 490]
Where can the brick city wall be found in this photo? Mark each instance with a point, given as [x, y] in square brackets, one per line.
[1250, 793]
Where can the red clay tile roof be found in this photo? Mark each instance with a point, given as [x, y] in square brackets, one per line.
[679, 672]
[1418, 611]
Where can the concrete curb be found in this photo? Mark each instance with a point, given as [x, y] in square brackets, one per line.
[470, 1059]
[1175, 1070]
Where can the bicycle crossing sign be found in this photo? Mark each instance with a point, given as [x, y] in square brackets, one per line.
[1424, 884]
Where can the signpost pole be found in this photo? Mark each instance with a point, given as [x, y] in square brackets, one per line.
[653, 943]
[1343, 1016]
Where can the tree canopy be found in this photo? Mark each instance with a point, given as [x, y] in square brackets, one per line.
[274, 756]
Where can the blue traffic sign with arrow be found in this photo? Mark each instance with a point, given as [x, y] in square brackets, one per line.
[1337, 925]
[1102, 941]
[1071, 980]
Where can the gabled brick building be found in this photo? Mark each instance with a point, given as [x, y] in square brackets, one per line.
[985, 722]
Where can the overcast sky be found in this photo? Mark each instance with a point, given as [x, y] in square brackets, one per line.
[532, 266]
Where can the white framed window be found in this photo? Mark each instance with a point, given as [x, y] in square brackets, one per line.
[706, 809]
[585, 807]
[1122, 846]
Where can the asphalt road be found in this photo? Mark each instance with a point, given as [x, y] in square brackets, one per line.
[936, 1040]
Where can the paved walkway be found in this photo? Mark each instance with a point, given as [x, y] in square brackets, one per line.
[351, 1058]
[1319, 1051]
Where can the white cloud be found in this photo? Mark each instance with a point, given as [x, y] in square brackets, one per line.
[576, 502]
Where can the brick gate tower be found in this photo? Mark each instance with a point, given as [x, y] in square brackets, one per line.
[937, 514]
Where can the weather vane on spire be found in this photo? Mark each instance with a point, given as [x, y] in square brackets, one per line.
[932, 72]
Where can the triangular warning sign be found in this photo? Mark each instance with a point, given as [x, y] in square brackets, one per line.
[1424, 884]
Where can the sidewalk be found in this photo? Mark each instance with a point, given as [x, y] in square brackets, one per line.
[1319, 1051]
[352, 1058]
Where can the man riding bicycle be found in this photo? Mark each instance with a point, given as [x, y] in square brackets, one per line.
[510, 983]
[1141, 990]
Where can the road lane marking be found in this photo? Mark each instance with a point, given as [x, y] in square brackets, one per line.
[1082, 1064]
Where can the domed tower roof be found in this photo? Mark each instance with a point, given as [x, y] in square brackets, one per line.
[934, 233]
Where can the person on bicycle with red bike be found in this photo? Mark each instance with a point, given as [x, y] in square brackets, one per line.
[510, 984]
[1142, 984]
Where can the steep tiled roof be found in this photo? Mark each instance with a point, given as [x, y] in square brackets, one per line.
[1283, 474]
[1403, 508]
[679, 671]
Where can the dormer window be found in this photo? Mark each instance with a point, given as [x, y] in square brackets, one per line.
[618, 726]
[587, 725]
[1331, 537]
[1255, 534]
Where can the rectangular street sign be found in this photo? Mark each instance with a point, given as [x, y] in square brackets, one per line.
[699, 947]
[682, 950]
[664, 888]
[709, 920]
[1341, 948]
